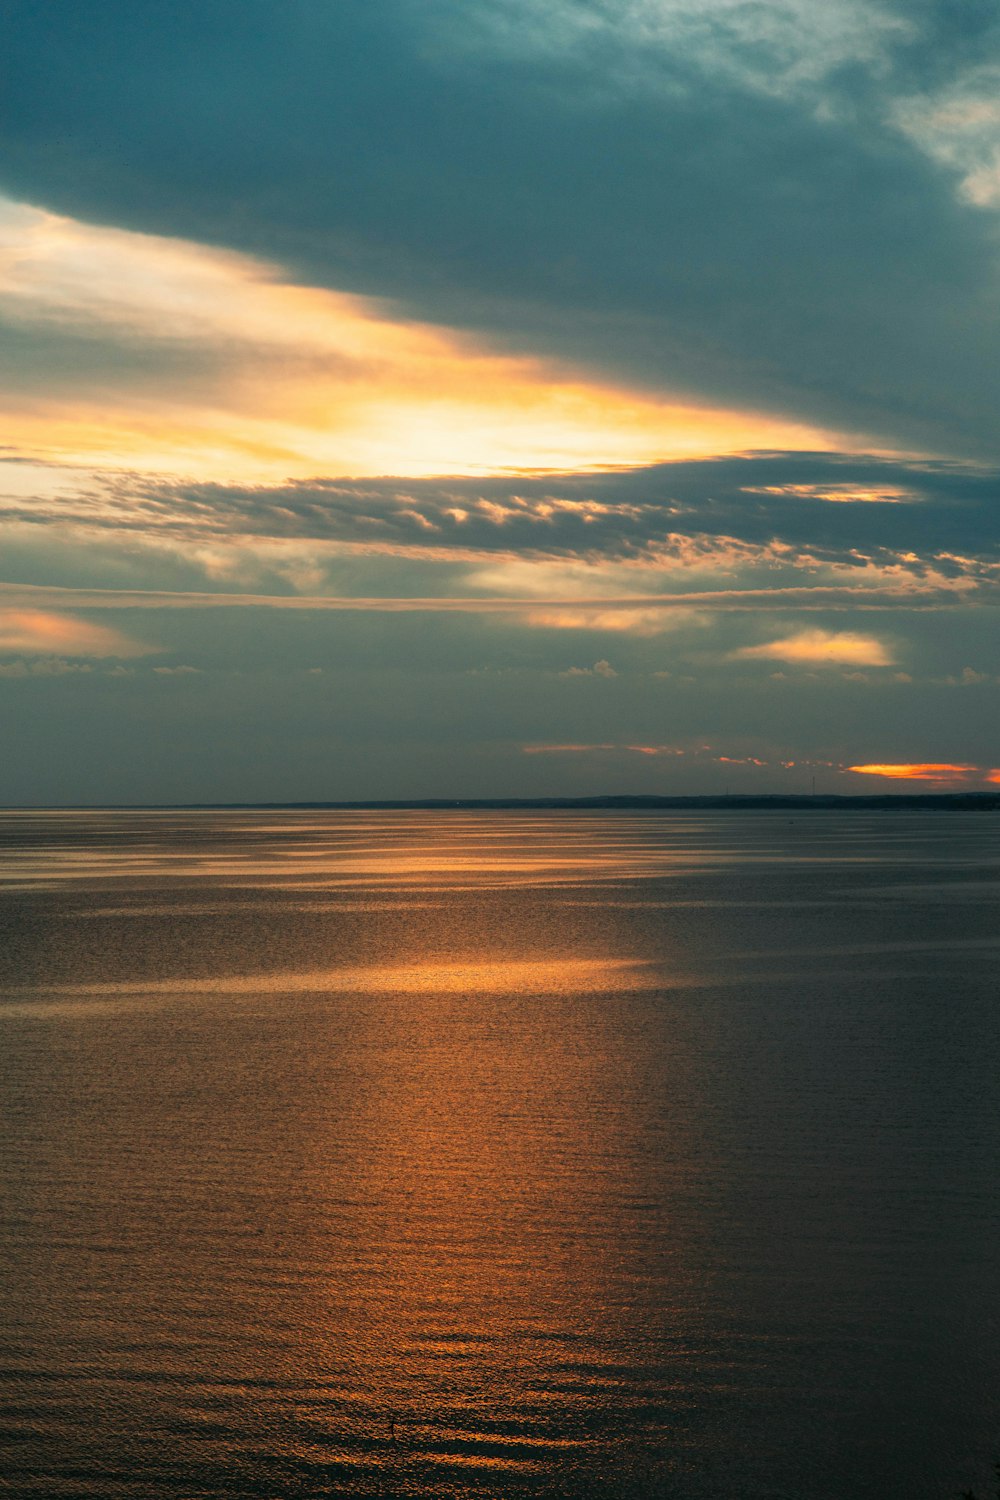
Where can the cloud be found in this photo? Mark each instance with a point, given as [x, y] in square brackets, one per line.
[606, 748]
[121, 347]
[608, 616]
[367, 327]
[958, 124]
[969, 677]
[49, 666]
[700, 754]
[819, 646]
[779, 48]
[555, 613]
[743, 205]
[939, 774]
[739, 513]
[569, 749]
[44, 631]
[599, 669]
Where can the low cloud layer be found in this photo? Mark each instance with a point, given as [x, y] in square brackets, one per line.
[922, 520]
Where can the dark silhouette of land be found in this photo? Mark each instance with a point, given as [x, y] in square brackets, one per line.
[779, 802]
[877, 802]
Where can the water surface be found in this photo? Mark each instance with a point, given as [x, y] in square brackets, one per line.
[499, 1154]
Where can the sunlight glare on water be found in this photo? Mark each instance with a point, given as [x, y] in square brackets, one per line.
[498, 1154]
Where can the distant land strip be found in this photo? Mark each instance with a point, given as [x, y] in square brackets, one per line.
[878, 802]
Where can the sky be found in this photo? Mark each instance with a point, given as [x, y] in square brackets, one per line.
[473, 398]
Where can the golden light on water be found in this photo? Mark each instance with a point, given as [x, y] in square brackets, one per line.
[543, 975]
[505, 1189]
[492, 1129]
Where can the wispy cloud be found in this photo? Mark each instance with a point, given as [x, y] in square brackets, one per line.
[578, 610]
[738, 513]
[958, 124]
[703, 754]
[612, 615]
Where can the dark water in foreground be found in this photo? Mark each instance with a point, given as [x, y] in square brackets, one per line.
[612, 1156]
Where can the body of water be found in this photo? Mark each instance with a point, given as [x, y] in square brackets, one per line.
[499, 1154]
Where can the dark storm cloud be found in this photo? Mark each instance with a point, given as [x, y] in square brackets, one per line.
[820, 508]
[731, 212]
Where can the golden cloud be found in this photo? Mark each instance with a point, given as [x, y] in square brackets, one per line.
[42, 632]
[841, 647]
[943, 773]
[289, 380]
[629, 621]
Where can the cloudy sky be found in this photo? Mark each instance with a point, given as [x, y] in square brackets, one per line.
[412, 398]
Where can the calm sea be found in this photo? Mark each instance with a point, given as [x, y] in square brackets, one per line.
[500, 1154]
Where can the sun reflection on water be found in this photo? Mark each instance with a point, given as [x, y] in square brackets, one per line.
[457, 1156]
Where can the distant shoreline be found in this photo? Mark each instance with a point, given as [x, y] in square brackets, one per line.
[873, 802]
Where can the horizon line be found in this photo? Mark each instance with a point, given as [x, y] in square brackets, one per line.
[637, 801]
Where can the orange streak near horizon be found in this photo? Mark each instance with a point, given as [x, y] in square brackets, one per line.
[926, 771]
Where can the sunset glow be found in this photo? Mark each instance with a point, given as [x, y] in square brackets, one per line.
[36, 631]
[943, 774]
[818, 646]
[499, 757]
[283, 379]
[392, 395]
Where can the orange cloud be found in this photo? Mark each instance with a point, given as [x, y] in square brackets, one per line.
[928, 771]
[601, 749]
[566, 749]
[38, 631]
[289, 380]
[818, 646]
[837, 494]
[632, 621]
